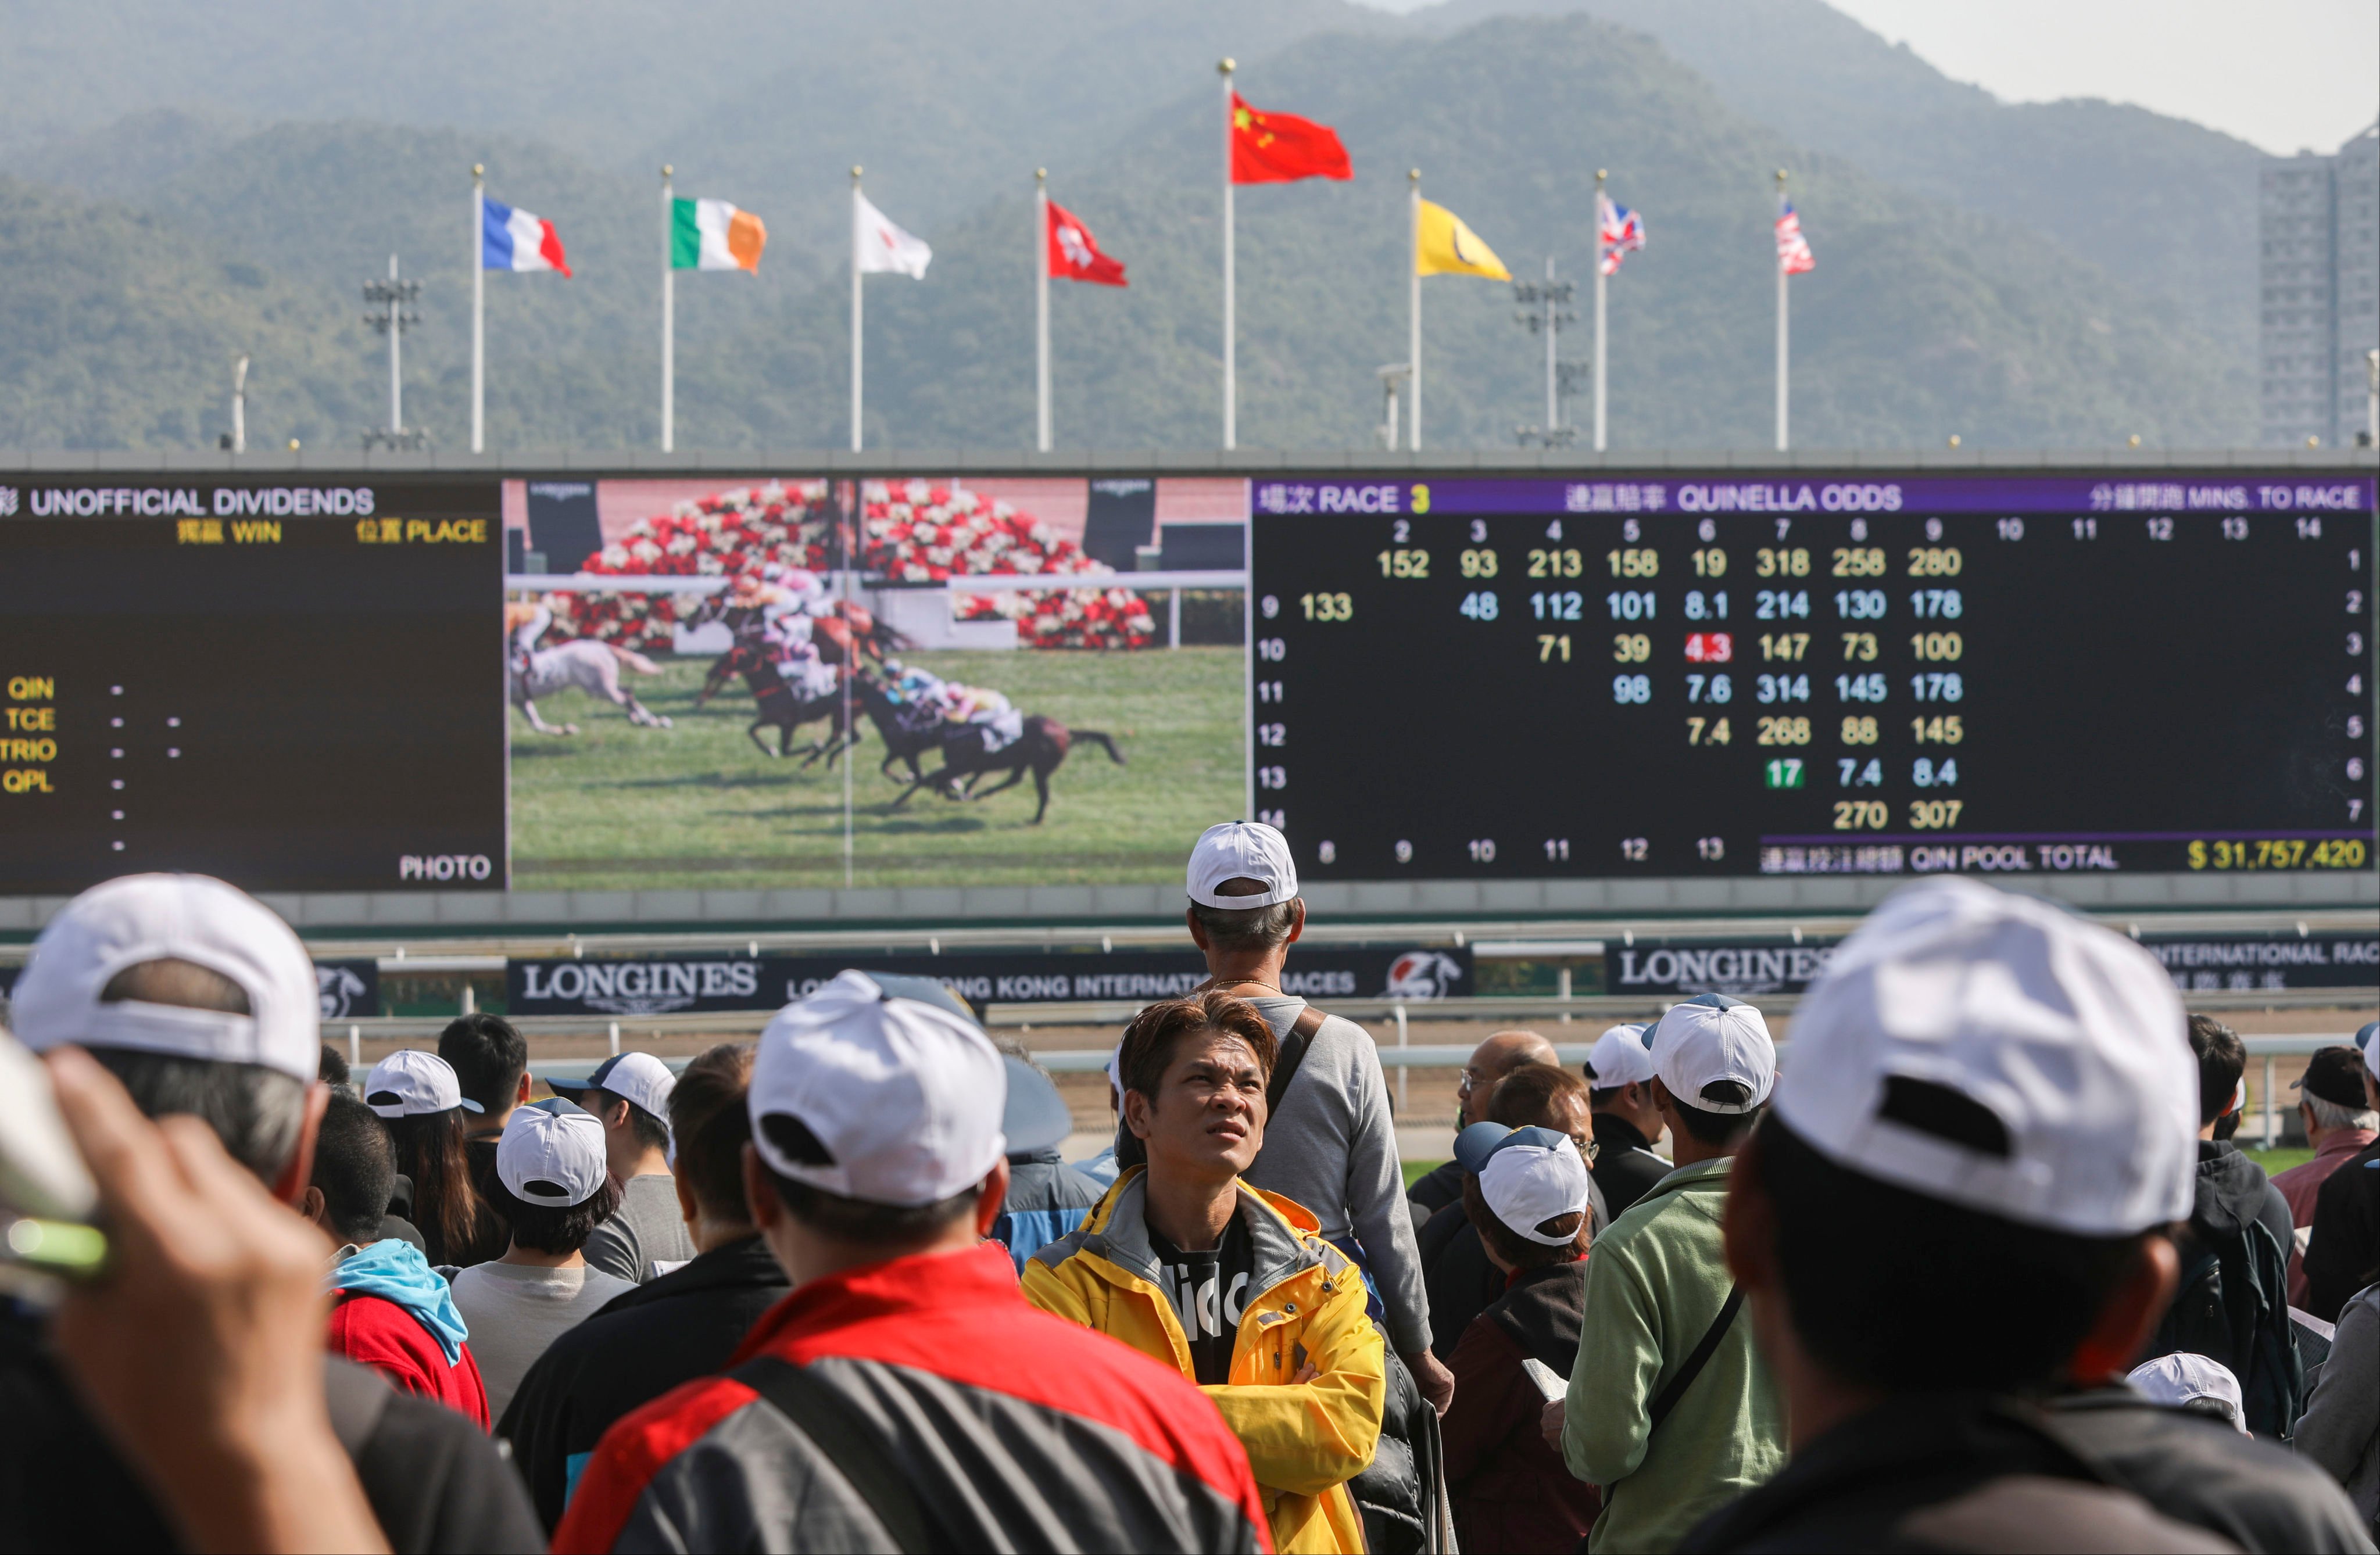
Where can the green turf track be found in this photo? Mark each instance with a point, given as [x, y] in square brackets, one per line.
[697, 806]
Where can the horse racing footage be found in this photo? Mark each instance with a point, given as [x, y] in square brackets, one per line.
[692, 673]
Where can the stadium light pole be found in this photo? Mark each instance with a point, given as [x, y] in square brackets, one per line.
[1547, 308]
[2371, 398]
[393, 297]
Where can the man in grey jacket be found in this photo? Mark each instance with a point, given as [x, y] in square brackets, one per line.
[1332, 1143]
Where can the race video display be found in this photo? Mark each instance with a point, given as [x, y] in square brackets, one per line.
[698, 668]
[1733, 674]
[290, 685]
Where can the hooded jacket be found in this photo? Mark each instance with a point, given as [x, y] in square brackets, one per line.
[1304, 1440]
[2232, 1194]
[1655, 1283]
[395, 1315]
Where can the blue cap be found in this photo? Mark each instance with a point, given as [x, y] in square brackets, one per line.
[1036, 1117]
[1476, 1144]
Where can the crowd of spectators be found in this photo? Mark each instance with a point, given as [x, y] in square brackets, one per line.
[1977, 1266]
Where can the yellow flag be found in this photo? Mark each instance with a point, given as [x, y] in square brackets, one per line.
[1446, 247]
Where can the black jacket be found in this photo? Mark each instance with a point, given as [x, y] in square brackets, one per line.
[685, 1324]
[2200, 1470]
[434, 1481]
[1625, 1167]
[1944, 1471]
[2232, 1194]
[2344, 1255]
[1437, 1188]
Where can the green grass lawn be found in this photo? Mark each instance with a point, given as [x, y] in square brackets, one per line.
[616, 805]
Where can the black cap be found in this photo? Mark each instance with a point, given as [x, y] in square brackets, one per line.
[2336, 1076]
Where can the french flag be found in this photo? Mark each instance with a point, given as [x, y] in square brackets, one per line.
[511, 239]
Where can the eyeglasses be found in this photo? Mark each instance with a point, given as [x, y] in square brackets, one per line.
[1588, 1147]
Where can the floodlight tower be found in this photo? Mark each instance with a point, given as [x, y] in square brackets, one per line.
[1545, 308]
[395, 298]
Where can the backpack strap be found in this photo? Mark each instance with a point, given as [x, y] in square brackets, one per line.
[1293, 1054]
[1669, 1396]
[838, 1432]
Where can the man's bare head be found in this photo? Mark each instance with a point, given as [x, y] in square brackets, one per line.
[1491, 1061]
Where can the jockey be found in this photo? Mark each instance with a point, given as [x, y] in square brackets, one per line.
[525, 622]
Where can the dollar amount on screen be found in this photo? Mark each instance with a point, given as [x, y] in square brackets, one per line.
[2287, 853]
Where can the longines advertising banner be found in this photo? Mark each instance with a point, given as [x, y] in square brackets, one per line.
[2198, 964]
[698, 983]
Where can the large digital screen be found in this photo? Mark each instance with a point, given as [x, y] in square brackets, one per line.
[1009, 733]
[1747, 674]
[291, 685]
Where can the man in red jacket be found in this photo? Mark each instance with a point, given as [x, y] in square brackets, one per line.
[905, 1396]
[393, 1312]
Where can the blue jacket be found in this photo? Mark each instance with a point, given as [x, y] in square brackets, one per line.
[1046, 1198]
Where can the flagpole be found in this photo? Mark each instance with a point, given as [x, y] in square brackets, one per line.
[1413, 345]
[1041, 304]
[857, 355]
[1601, 258]
[1784, 379]
[1230, 288]
[479, 309]
[669, 317]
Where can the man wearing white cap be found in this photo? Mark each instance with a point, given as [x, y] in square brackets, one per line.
[201, 1002]
[1627, 1124]
[1331, 1143]
[1956, 1217]
[554, 1186]
[2343, 1255]
[646, 1237]
[905, 1395]
[1670, 1410]
[1526, 1192]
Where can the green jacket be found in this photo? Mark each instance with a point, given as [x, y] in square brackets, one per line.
[1656, 1280]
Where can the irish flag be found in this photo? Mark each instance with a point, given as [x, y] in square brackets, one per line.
[713, 234]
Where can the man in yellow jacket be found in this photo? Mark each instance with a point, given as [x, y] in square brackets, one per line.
[1233, 1286]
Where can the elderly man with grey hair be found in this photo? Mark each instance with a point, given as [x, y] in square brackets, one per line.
[1330, 1143]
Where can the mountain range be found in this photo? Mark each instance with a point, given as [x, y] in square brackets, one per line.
[2039, 275]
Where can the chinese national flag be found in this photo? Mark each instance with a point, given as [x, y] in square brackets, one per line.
[1282, 148]
[1074, 253]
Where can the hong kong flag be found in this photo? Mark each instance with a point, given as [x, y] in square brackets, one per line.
[1282, 148]
[1074, 253]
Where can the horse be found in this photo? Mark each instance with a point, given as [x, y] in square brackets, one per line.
[1039, 750]
[779, 706]
[849, 630]
[591, 665]
[908, 732]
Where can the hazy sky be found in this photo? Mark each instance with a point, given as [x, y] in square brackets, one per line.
[2282, 73]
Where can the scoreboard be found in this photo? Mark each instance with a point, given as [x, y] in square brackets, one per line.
[1868, 674]
[299, 687]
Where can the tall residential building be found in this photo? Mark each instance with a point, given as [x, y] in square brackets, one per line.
[2319, 221]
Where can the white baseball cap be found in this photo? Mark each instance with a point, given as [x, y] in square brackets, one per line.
[2368, 1038]
[1998, 1052]
[1712, 1040]
[633, 1076]
[1620, 1058]
[409, 1083]
[2181, 1379]
[1527, 1175]
[551, 1152]
[864, 1095]
[176, 918]
[1242, 850]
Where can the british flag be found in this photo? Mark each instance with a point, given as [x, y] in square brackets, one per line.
[1622, 230]
[1794, 256]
